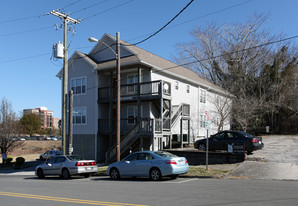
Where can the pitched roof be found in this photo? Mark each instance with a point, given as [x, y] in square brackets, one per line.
[141, 56]
[160, 65]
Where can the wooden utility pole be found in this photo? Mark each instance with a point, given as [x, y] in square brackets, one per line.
[118, 94]
[70, 122]
[66, 19]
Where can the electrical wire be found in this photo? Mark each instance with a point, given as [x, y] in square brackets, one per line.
[71, 4]
[91, 6]
[197, 18]
[24, 58]
[224, 54]
[221, 55]
[164, 25]
[27, 31]
[119, 5]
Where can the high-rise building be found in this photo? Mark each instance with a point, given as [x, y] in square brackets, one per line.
[45, 115]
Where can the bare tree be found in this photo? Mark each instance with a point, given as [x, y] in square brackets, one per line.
[222, 110]
[9, 128]
[235, 57]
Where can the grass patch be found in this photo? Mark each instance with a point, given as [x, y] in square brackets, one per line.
[193, 171]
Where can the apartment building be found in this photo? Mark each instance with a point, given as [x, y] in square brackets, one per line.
[45, 115]
[162, 104]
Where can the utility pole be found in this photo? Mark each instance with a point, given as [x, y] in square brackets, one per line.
[118, 94]
[70, 122]
[66, 19]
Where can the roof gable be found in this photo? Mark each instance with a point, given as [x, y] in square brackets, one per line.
[105, 50]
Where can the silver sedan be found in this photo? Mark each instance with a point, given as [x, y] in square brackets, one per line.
[153, 164]
[66, 166]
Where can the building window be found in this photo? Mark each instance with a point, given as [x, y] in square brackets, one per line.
[78, 85]
[132, 113]
[203, 96]
[79, 115]
[132, 79]
[202, 121]
[177, 85]
[187, 88]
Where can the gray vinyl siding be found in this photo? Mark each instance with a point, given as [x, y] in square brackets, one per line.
[84, 145]
[80, 68]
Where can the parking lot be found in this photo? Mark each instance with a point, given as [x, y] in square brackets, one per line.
[277, 160]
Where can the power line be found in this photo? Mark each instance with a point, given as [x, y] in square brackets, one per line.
[27, 31]
[89, 7]
[36, 16]
[71, 4]
[24, 58]
[197, 18]
[164, 25]
[224, 54]
[94, 15]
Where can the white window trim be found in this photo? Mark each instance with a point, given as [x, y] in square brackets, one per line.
[74, 92]
[203, 96]
[177, 85]
[74, 115]
[135, 113]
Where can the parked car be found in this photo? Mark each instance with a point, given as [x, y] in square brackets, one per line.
[66, 166]
[153, 164]
[49, 154]
[221, 140]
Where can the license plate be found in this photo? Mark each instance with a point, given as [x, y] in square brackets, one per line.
[88, 168]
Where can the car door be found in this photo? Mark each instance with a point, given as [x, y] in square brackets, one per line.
[143, 164]
[58, 165]
[231, 139]
[48, 168]
[127, 166]
[217, 141]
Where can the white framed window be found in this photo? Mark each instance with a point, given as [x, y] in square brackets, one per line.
[132, 79]
[177, 85]
[132, 113]
[203, 96]
[202, 121]
[78, 85]
[80, 115]
[187, 88]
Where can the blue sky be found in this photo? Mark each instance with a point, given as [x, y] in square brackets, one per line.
[28, 73]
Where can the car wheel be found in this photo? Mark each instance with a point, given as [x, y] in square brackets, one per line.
[40, 174]
[202, 146]
[65, 174]
[155, 174]
[114, 174]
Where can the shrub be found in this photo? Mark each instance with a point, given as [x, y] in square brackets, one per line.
[9, 160]
[20, 161]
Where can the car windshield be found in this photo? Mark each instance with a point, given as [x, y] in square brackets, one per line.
[75, 158]
[165, 154]
[246, 134]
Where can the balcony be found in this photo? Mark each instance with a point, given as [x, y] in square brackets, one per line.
[130, 92]
[108, 126]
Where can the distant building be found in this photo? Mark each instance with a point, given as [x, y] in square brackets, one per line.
[45, 115]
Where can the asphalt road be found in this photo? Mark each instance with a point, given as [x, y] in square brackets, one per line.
[28, 191]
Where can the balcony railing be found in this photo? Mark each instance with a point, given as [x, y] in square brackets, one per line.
[154, 88]
[109, 125]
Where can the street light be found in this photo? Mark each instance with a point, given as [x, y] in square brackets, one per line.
[117, 53]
